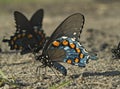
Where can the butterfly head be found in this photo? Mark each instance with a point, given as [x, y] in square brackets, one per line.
[44, 59]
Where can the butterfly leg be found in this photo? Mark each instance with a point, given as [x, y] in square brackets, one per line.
[56, 74]
[39, 73]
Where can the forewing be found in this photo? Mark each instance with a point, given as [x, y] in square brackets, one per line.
[22, 23]
[37, 18]
[70, 27]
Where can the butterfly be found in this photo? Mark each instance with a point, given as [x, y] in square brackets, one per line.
[64, 46]
[29, 34]
[116, 52]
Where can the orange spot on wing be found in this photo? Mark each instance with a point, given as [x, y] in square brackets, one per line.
[69, 61]
[15, 46]
[23, 34]
[30, 36]
[19, 35]
[14, 38]
[78, 50]
[72, 45]
[65, 42]
[81, 55]
[76, 60]
[56, 43]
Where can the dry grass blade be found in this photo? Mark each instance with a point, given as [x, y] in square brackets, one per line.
[4, 80]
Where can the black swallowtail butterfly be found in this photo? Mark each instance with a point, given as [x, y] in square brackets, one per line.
[116, 52]
[29, 34]
[64, 46]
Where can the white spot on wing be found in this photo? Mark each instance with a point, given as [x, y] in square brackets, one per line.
[73, 39]
[74, 33]
[85, 51]
[64, 37]
[79, 44]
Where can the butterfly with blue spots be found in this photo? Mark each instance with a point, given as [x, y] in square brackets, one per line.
[64, 46]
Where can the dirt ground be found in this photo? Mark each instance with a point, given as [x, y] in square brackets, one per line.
[102, 27]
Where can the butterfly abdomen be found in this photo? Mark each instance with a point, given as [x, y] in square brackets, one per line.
[60, 68]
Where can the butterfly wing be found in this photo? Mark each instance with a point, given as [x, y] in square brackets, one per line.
[22, 23]
[70, 27]
[36, 23]
[37, 19]
[20, 39]
[22, 27]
